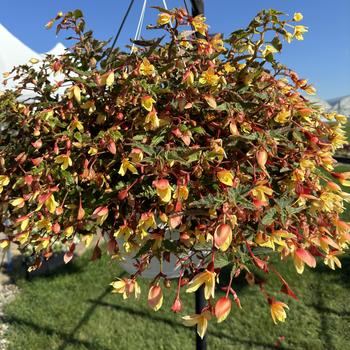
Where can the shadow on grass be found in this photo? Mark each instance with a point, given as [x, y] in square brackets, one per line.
[50, 269]
[156, 318]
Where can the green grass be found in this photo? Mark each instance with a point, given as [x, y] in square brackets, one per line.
[74, 309]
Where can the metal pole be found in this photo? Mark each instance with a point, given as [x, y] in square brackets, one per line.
[201, 344]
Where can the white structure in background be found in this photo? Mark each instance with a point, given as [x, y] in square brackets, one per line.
[13, 53]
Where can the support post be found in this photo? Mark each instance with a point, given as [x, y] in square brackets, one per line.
[201, 344]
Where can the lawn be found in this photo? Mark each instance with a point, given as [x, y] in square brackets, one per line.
[73, 309]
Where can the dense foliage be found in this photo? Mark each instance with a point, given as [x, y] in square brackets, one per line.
[198, 147]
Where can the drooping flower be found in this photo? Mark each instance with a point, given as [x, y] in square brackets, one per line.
[152, 121]
[125, 166]
[4, 181]
[208, 279]
[260, 192]
[127, 287]
[155, 297]
[201, 320]
[226, 177]
[147, 103]
[222, 309]
[302, 257]
[64, 160]
[163, 189]
[199, 24]
[299, 31]
[277, 311]
[269, 49]
[164, 18]
[331, 260]
[282, 117]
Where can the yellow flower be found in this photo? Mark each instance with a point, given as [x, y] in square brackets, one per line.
[126, 287]
[228, 68]
[146, 222]
[188, 78]
[17, 202]
[4, 181]
[147, 103]
[51, 204]
[261, 191]
[268, 50]
[64, 160]
[152, 121]
[201, 320]
[123, 231]
[164, 18]
[209, 77]
[283, 116]
[218, 43]
[302, 257]
[136, 155]
[307, 164]
[163, 189]
[208, 279]
[146, 68]
[330, 260]
[225, 176]
[342, 119]
[331, 201]
[297, 17]
[199, 25]
[4, 244]
[309, 89]
[125, 166]
[155, 297]
[181, 193]
[299, 31]
[277, 311]
[289, 37]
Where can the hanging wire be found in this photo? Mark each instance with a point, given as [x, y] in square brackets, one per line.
[120, 28]
[139, 25]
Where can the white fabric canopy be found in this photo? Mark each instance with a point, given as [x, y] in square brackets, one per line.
[13, 53]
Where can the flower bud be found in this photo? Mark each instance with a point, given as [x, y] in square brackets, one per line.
[155, 297]
[177, 305]
[261, 157]
[222, 309]
[223, 237]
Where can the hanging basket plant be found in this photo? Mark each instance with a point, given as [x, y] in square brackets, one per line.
[193, 147]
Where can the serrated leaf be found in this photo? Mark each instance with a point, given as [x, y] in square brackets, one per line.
[268, 219]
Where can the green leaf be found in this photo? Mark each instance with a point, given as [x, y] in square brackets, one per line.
[268, 219]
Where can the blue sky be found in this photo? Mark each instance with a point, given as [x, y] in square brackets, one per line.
[323, 57]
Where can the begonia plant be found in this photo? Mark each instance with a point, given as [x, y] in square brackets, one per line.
[193, 145]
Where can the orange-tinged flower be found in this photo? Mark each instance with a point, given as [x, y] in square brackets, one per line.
[163, 189]
[136, 155]
[146, 68]
[17, 202]
[181, 193]
[208, 279]
[188, 78]
[261, 157]
[277, 311]
[222, 309]
[127, 287]
[147, 103]
[260, 192]
[201, 320]
[155, 297]
[199, 25]
[164, 18]
[209, 77]
[152, 121]
[226, 177]
[223, 237]
[302, 257]
[343, 178]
